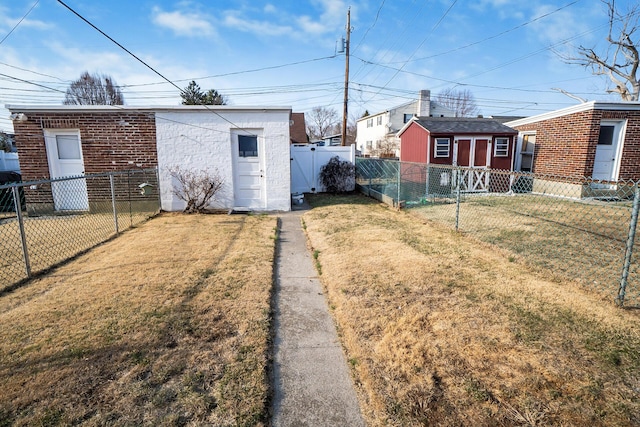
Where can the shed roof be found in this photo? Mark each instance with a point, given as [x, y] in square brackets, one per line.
[462, 125]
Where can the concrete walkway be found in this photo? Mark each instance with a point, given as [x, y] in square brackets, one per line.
[311, 381]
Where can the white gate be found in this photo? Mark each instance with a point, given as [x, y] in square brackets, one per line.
[306, 161]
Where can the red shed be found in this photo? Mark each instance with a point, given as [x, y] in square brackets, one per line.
[477, 143]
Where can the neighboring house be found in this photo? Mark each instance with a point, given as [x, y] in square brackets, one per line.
[472, 142]
[248, 147]
[298, 129]
[600, 140]
[376, 133]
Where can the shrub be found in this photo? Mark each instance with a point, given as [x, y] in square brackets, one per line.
[197, 188]
[338, 176]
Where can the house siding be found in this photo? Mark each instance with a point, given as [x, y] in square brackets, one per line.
[202, 141]
[414, 144]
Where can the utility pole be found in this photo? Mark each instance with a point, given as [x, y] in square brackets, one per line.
[346, 80]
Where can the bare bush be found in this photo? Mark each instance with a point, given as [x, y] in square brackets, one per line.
[197, 188]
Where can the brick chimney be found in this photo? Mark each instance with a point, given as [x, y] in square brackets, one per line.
[424, 103]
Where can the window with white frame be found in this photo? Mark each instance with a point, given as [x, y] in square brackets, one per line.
[379, 120]
[407, 117]
[369, 123]
[442, 147]
[526, 150]
[501, 147]
[369, 145]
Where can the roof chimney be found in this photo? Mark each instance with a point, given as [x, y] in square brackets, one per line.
[424, 103]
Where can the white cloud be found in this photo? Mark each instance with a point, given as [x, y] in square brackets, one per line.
[557, 26]
[8, 22]
[261, 28]
[332, 17]
[269, 8]
[183, 23]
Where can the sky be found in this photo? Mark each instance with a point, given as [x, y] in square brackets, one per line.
[287, 53]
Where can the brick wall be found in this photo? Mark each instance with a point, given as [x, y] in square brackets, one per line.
[567, 145]
[111, 141]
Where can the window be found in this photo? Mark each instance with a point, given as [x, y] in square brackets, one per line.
[247, 146]
[525, 153]
[501, 147]
[379, 120]
[369, 123]
[443, 147]
[407, 117]
[68, 147]
[606, 135]
[369, 145]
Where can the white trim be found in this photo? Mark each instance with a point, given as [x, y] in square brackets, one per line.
[495, 147]
[435, 151]
[592, 105]
[621, 127]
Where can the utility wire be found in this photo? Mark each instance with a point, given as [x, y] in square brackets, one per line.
[147, 65]
[20, 21]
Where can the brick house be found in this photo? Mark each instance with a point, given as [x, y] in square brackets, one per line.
[247, 146]
[598, 140]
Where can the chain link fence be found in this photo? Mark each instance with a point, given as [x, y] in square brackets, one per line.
[43, 223]
[580, 229]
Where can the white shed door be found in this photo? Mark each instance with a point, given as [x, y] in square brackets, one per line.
[64, 153]
[607, 159]
[248, 172]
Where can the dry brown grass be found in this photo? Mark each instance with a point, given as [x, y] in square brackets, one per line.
[575, 240]
[56, 238]
[444, 330]
[165, 325]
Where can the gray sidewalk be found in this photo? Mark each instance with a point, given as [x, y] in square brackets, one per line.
[311, 381]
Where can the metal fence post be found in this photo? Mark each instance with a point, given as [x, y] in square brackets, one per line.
[23, 237]
[458, 179]
[630, 242]
[399, 178]
[113, 204]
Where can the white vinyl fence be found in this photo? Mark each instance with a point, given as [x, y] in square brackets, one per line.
[9, 162]
[306, 161]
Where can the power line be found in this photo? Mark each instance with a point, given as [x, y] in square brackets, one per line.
[144, 63]
[453, 3]
[19, 22]
[524, 24]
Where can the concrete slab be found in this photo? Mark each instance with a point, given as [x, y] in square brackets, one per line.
[311, 381]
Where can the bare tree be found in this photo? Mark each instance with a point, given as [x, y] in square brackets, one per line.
[321, 122]
[461, 102]
[197, 188]
[352, 129]
[621, 59]
[93, 89]
[386, 147]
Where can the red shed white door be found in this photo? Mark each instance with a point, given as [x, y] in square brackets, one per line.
[473, 153]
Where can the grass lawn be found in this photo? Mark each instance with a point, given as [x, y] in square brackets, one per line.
[584, 241]
[442, 329]
[55, 238]
[166, 325]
